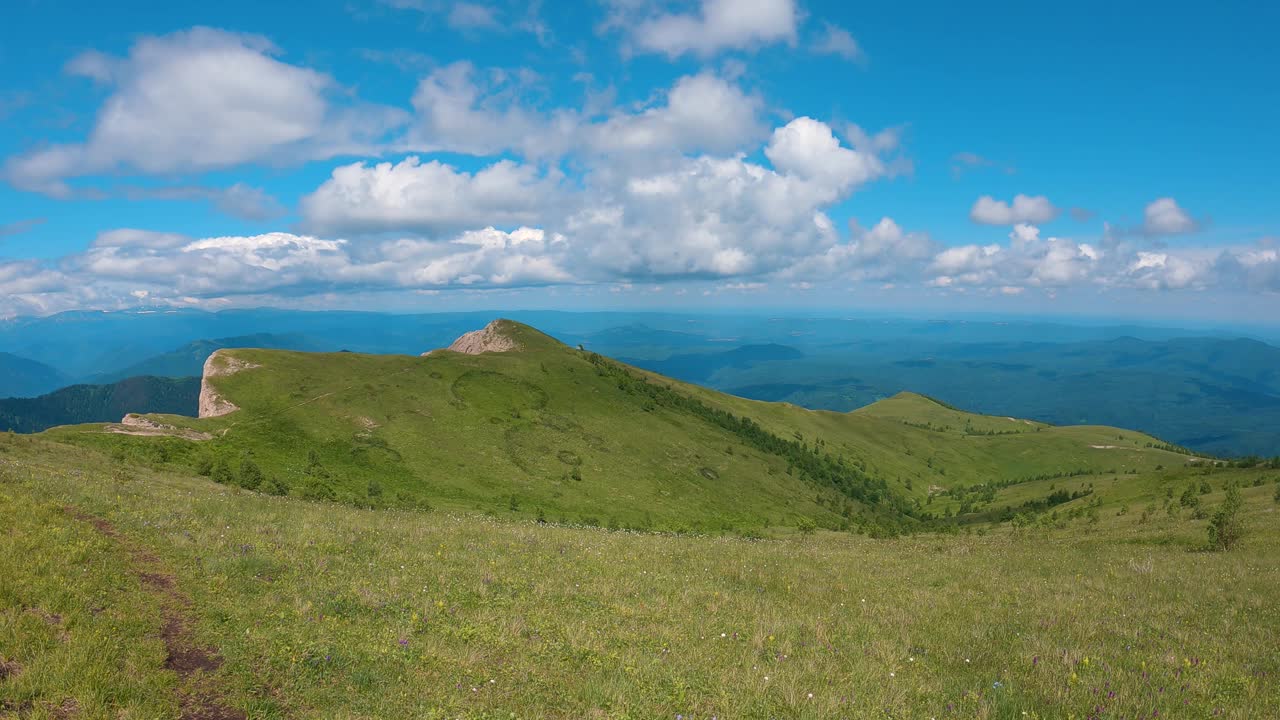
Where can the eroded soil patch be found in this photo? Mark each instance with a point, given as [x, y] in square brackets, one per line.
[193, 662]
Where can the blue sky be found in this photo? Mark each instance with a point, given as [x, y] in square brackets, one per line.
[1090, 158]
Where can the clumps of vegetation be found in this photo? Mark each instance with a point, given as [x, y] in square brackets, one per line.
[1253, 461]
[250, 477]
[1227, 527]
[1176, 449]
[811, 463]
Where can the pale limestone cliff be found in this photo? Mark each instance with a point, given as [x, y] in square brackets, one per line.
[219, 364]
[494, 337]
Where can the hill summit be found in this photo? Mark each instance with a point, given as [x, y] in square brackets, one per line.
[497, 336]
[510, 420]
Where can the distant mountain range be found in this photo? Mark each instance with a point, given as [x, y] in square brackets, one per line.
[188, 360]
[23, 377]
[1210, 390]
[100, 403]
[698, 367]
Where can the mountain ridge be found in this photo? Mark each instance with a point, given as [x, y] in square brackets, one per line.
[544, 428]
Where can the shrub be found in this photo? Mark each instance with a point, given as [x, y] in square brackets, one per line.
[1276, 497]
[222, 472]
[1227, 527]
[250, 475]
[204, 466]
[1189, 498]
[806, 526]
[273, 486]
[318, 490]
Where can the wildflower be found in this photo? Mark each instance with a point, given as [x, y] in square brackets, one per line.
[891, 674]
[810, 696]
[997, 685]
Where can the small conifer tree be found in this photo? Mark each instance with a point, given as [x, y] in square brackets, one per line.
[1227, 527]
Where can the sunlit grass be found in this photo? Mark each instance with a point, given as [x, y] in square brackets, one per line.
[326, 611]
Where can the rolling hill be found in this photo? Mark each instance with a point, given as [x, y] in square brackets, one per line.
[549, 431]
[21, 377]
[99, 403]
[188, 360]
[1067, 574]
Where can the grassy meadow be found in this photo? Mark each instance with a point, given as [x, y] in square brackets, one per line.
[322, 610]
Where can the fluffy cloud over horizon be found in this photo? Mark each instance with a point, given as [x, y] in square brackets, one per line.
[1024, 209]
[199, 100]
[1165, 217]
[716, 25]
[480, 176]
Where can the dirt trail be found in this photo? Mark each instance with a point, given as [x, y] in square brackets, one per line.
[199, 698]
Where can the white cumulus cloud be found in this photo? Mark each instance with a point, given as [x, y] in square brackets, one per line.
[199, 100]
[1164, 216]
[718, 25]
[1024, 209]
[413, 196]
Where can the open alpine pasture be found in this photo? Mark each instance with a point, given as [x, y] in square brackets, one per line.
[134, 587]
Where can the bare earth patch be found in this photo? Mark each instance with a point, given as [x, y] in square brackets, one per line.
[193, 663]
[9, 668]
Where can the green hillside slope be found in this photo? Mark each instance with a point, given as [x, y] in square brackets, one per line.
[315, 610]
[550, 431]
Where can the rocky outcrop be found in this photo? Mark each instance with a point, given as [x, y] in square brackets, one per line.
[219, 364]
[494, 337]
[134, 424]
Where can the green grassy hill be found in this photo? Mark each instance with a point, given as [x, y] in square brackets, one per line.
[549, 431]
[1067, 573]
[114, 577]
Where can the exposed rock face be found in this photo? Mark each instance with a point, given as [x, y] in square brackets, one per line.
[219, 364]
[494, 337]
